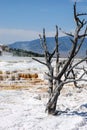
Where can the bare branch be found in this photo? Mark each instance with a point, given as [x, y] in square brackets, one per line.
[70, 81]
[52, 54]
[68, 70]
[77, 19]
[80, 14]
[75, 14]
[39, 61]
[69, 34]
[85, 70]
[76, 80]
[75, 44]
[80, 25]
[68, 61]
[44, 40]
[81, 42]
[82, 75]
[83, 35]
[80, 36]
[72, 40]
[41, 41]
[57, 51]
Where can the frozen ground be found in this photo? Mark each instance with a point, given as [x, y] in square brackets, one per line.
[23, 109]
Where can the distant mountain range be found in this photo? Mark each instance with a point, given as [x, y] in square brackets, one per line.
[35, 46]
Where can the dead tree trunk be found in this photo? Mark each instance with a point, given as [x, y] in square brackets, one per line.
[60, 77]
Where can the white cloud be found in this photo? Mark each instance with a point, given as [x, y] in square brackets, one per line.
[8, 36]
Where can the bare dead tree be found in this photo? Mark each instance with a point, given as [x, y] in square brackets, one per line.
[62, 76]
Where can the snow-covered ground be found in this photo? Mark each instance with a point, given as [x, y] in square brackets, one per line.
[24, 109]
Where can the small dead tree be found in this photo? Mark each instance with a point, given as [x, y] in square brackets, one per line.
[57, 80]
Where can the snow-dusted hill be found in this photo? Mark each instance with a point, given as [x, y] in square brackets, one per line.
[64, 46]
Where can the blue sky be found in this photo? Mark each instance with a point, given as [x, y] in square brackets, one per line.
[24, 19]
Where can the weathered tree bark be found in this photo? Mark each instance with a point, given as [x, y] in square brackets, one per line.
[52, 109]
